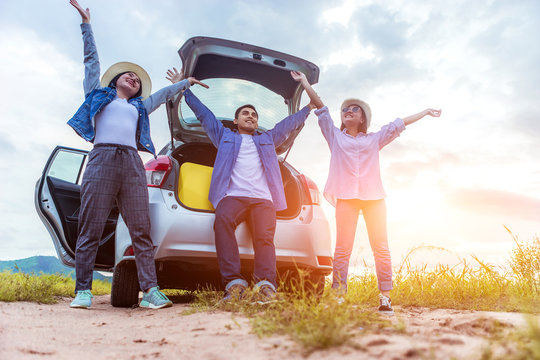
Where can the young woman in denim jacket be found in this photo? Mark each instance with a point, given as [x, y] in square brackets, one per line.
[354, 185]
[114, 116]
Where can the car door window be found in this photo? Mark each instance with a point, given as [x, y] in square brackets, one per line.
[67, 166]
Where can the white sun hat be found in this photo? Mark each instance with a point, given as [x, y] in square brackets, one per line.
[364, 105]
[124, 66]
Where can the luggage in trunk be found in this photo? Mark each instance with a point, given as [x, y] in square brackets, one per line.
[193, 186]
[196, 162]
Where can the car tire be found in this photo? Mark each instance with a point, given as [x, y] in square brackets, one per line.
[315, 284]
[125, 285]
[303, 282]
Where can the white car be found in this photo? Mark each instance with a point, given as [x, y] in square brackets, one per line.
[178, 180]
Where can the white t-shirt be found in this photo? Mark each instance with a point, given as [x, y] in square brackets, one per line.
[248, 178]
[116, 123]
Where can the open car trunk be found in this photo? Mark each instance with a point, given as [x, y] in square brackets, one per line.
[194, 171]
[238, 74]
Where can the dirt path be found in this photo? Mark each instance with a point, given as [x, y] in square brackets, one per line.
[33, 331]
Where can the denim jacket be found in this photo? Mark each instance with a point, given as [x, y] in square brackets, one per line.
[98, 97]
[228, 144]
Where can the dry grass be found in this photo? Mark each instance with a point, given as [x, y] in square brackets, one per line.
[331, 320]
[327, 321]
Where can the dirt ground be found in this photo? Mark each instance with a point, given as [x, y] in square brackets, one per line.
[34, 331]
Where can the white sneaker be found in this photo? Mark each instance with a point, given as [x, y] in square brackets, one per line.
[385, 306]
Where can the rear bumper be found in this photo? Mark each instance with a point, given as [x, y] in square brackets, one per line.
[186, 237]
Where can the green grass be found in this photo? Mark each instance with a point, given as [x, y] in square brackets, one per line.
[476, 286]
[322, 322]
[42, 288]
[314, 322]
[465, 286]
[319, 323]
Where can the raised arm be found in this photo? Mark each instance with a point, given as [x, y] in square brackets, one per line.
[178, 84]
[315, 100]
[326, 124]
[85, 14]
[325, 121]
[91, 58]
[413, 118]
[392, 130]
[281, 131]
[213, 127]
[174, 76]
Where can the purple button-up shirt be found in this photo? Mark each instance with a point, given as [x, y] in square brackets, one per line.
[228, 144]
[354, 162]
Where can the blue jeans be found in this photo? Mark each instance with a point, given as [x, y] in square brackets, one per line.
[260, 215]
[347, 213]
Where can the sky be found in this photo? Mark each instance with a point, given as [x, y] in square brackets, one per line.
[452, 182]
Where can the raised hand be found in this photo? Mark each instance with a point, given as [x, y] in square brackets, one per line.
[413, 118]
[433, 112]
[85, 14]
[298, 76]
[174, 76]
[315, 100]
[193, 81]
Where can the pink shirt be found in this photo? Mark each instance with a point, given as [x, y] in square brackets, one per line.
[354, 162]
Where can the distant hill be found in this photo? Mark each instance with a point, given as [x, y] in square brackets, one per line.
[44, 264]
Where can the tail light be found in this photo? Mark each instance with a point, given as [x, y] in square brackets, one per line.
[324, 260]
[311, 191]
[157, 170]
[129, 251]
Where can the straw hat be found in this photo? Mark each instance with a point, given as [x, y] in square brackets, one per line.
[125, 66]
[362, 104]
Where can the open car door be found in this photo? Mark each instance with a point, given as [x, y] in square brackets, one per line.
[57, 200]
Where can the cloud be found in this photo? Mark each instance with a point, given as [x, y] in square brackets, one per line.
[496, 203]
[476, 60]
[380, 27]
[6, 143]
[411, 166]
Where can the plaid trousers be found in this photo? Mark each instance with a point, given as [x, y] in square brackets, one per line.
[114, 173]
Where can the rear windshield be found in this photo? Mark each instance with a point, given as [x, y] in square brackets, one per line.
[225, 95]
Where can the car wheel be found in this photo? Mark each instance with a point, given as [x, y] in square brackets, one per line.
[302, 282]
[125, 285]
[315, 284]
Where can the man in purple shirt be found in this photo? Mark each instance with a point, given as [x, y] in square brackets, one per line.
[246, 185]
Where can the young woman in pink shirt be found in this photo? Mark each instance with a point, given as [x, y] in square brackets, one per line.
[354, 185]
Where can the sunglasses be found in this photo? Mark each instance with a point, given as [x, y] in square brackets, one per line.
[352, 108]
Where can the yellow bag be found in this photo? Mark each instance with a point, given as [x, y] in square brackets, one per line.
[194, 186]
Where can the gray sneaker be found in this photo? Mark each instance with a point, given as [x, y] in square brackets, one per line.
[385, 306]
[234, 292]
[267, 295]
[83, 300]
[155, 299]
